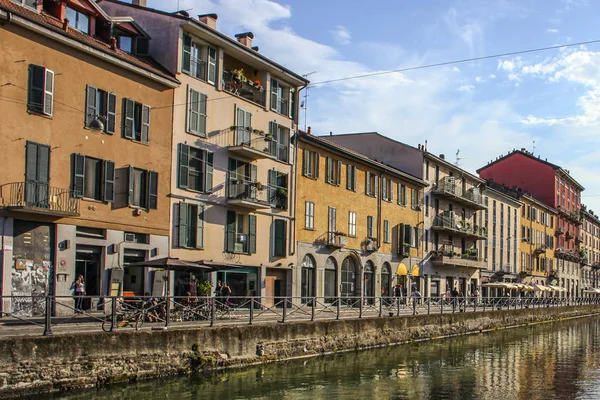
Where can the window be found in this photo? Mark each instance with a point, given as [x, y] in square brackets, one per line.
[195, 169]
[414, 198]
[370, 227]
[351, 177]
[426, 206]
[196, 113]
[277, 189]
[352, 224]
[333, 171]
[404, 240]
[387, 187]
[427, 170]
[28, 3]
[437, 174]
[199, 60]
[401, 194]
[37, 174]
[279, 238]
[279, 146]
[102, 105]
[143, 188]
[427, 240]
[78, 20]
[371, 184]
[191, 225]
[125, 43]
[40, 93]
[240, 233]
[310, 164]
[136, 121]
[415, 238]
[92, 178]
[386, 231]
[282, 97]
[309, 215]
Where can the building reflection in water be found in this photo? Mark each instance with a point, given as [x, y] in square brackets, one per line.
[558, 360]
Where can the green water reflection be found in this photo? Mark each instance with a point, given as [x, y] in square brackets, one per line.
[555, 361]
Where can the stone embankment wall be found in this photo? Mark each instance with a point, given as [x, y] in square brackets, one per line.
[31, 365]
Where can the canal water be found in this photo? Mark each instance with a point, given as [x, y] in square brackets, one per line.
[551, 361]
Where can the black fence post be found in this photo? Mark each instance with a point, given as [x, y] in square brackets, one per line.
[312, 309]
[48, 317]
[284, 309]
[414, 305]
[338, 307]
[398, 300]
[429, 305]
[380, 306]
[360, 307]
[251, 310]
[113, 314]
[167, 311]
[213, 310]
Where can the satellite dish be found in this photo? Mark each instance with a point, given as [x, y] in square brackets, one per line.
[459, 225]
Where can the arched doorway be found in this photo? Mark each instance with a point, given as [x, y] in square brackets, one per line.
[307, 285]
[330, 280]
[386, 281]
[369, 283]
[348, 278]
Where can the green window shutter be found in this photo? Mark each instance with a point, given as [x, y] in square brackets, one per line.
[91, 104]
[202, 115]
[128, 118]
[208, 171]
[184, 159]
[49, 93]
[108, 192]
[317, 162]
[280, 238]
[186, 59]
[183, 224]
[230, 232]
[384, 188]
[192, 112]
[212, 65]
[111, 113]
[339, 173]
[391, 191]
[35, 92]
[376, 188]
[78, 174]
[130, 184]
[253, 178]
[401, 239]
[200, 228]
[252, 234]
[274, 142]
[407, 235]
[274, 94]
[369, 226]
[305, 161]
[328, 178]
[348, 177]
[272, 187]
[145, 123]
[152, 186]
[368, 183]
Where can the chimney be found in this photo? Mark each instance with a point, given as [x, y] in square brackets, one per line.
[309, 129]
[141, 3]
[113, 43]
[255, 48]
[443, 157]
[66, 25]
[245, 38]
[209, 19]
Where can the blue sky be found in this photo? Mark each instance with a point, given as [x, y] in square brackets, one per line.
[484, 108]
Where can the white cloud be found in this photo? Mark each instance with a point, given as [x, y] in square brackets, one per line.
[479, 79]
[492, 76]
[552, 30]
[341, 35]
[466, 88]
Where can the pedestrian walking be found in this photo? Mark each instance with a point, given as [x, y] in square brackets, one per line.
[79, 293]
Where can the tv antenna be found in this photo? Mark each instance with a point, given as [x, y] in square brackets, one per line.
[304, 103]
[533, 150]
[457, 157]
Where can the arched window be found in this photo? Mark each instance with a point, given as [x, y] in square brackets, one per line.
[386, 281]
[308, 267]
[348, 278]
[369, 282]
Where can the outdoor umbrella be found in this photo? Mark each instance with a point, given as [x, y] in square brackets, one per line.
[216, 265]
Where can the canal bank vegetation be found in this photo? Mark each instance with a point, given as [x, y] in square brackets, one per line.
[30, 365]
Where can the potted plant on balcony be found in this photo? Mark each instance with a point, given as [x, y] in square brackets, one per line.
[258, 85]
[238, 75]
[258, 185]
[282, 192]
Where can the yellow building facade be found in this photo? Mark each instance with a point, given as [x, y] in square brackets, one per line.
[538, 242]
[359, 224]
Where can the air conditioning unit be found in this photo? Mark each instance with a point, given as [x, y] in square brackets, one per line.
[371, 245]
[137, 212]
[130, 237]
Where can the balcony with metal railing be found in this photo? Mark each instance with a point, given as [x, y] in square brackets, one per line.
[446, 255]
[236, 83]
[39, 198]
[451, 188]
[458, 226]
[246, 193]
[250, 144]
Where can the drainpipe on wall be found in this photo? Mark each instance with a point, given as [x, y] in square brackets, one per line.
[379, 209]
[292, 236]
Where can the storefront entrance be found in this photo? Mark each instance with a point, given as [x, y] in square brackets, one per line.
[133, 279]
[87, 264]
[243, 283]
[307, 288]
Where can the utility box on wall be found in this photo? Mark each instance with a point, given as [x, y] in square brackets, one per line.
[116, 282]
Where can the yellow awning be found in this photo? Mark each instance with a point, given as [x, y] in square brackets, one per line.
[402, 270]
[415, 270]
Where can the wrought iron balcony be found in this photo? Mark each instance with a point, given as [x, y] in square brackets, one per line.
[39, 198]
[242, 87]
[447, 256]
[458, 226]
[451, 188]
[247, 193]
[251, 144]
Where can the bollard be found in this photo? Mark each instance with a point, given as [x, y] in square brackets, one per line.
[251, 310]
[213, 310]
[113, 314]
[48, 319]
[312, 309]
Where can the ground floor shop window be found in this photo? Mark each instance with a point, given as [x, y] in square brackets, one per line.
[386, 282]
[330, 280]
[435, 288]
[133, 277]
[308, 279]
